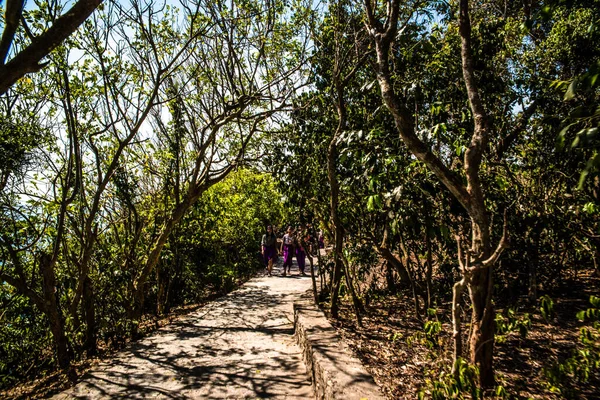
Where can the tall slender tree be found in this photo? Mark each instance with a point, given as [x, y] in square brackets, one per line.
[477, 265]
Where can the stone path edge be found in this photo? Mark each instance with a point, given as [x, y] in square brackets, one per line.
[335, 372]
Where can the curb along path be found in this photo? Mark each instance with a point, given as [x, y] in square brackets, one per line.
[239, 346]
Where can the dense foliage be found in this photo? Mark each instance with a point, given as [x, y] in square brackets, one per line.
[126, 180]
[214, 248]
[454, 141]
[536, 76]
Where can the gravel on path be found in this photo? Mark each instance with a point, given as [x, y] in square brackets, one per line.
[240, 346]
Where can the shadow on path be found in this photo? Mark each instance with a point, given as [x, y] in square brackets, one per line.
[239, 346]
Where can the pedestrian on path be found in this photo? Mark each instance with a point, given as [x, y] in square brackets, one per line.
[287, 249]
[302, 243]
[269, 249]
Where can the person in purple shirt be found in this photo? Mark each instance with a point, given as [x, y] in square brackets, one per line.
[287, 249]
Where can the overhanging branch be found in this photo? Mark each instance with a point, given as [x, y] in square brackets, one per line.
[28, 59]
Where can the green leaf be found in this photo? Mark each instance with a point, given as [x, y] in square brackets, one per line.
[378, 201]
[589, 208]
[582, 177]
[370, 202]
[445, 232]
[570, 93]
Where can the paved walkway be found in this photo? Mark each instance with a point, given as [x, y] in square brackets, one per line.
[239, 346]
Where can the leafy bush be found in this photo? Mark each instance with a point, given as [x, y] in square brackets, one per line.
[23, 338]
[585, 360]
[547, 308]
[448, 386]
[512, 323]
[430, 337]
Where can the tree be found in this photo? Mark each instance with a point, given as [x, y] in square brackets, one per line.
[27, 60]
[348, 57]
[477, 265]
[77, 203]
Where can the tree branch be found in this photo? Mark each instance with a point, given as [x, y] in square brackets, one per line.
[501, 246]
[508, 140]
[12, 16]
[28, 60]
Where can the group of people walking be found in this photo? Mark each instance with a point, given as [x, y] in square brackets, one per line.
[297, 243]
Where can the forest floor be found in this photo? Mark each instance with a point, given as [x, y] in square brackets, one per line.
[395, 350]
[240, 345]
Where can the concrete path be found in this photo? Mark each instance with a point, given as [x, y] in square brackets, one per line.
[239, 346]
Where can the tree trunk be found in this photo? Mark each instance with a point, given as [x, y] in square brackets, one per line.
[389, 277]
[477, 266]
[335, 288]
[533, 264]
[358, 306]
[337, 225]
[480, 285]
[52, 311]
[411, 277]
[323, 289]
[161, 282]
[429, 271]
[195, 190]
[90, 317]
[396, 264]
[481, 346]
[313, 279]
[175, 281]
[154, 256]
[457, 292]
[340, 80]
[480, 281]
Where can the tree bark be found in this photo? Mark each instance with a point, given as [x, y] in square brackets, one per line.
[359, 308]
[334, 199]
[397, 265]
[533, 263]
[392, 259]
[389, 277]
[480, 284]
[312, 276]
[195, 190]
[161, 282]
[179, 211]
[344, 69]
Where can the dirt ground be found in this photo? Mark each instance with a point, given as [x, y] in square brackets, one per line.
[391, 346]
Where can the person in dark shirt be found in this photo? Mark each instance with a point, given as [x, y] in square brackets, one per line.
[269, 250]
[302, 246]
